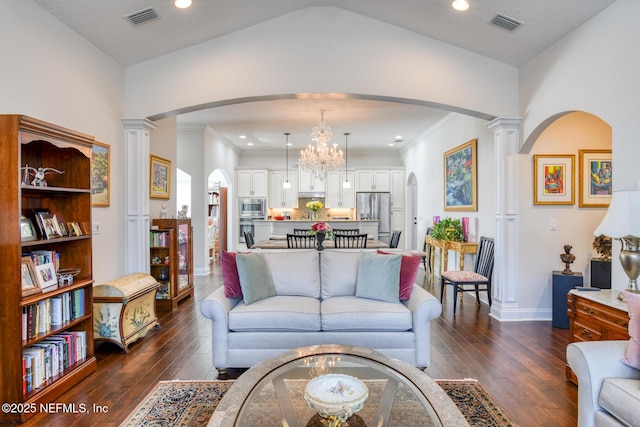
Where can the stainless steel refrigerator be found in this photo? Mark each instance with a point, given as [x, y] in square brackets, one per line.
[375, 206]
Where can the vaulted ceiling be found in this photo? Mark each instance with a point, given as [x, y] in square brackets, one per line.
[105, 24]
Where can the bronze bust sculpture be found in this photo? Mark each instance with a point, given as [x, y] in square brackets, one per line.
[567, 257]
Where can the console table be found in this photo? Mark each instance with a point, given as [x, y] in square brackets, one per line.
[596, 316]
[444, 246]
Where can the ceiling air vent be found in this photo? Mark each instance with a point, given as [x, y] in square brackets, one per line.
[505, 22]
[143, 16]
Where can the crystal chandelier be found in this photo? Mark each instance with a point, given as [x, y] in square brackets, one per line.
[321, 158]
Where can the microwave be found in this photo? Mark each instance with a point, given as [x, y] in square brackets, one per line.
[253, 207]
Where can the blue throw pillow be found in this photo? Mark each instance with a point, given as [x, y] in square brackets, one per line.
[255, 277]
[379, 277]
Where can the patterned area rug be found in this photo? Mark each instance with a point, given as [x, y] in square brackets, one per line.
[191, 403]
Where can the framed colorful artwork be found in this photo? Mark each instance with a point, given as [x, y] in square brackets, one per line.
[100, 164]
[594, 179]
[553, 179]
[460, 178]
[159, 178]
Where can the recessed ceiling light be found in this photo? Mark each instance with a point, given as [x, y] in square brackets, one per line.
[249, 143]
[182, 4]
[391, 144]
[460, 5]
[243, 137]
[399, 137]
[289, 144]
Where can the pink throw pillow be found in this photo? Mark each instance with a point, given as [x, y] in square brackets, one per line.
[408, 272]
[632, 357]
[230, 278]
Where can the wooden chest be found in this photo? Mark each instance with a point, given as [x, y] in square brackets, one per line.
[596, 316]
[124, 309]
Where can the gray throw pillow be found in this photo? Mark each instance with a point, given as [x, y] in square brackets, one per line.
[379, 277]
[255, 277]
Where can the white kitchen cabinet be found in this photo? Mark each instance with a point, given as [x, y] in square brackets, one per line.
[397, 189]
[373, 180]
[307, 183]
[253, 183]
[279, 197]
[339, 197]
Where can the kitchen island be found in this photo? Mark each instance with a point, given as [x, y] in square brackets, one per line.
[264, 229]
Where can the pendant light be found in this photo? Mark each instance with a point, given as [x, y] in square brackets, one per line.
[286, 184]
[346, 183]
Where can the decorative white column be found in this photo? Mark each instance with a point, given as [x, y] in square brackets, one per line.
[505, 278]
[136, 143]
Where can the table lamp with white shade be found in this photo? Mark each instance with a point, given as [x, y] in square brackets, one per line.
[622, 221]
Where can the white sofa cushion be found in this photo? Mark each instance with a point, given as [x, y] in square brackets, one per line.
[279, 313]
[295, 272]
[339, 272]
[621, 398]
[350, 313]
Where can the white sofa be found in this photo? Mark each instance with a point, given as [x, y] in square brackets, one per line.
[608, 390]
[316, 304]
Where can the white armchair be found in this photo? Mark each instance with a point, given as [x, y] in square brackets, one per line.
[608, 390]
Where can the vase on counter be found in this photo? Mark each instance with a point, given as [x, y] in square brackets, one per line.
[314, 215]
[320, 235]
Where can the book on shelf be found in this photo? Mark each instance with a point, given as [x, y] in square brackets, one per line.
[46, 360]
[51, 313]
[159, 239]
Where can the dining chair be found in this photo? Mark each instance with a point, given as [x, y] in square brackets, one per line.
[350, 241]
[301, 231]
[346, 231]
[301, 241]
[427, 251]
[248, 239]
[395, 238]
[479, 278]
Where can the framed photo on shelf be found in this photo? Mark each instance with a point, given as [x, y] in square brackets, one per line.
[30, 282]
[159, 178]
[62, 225]
[553, 179]
[100, 177]
[47, 278]
[50, 227]
[74, 229]
[27, 230]
[460, 178]
[594, 179]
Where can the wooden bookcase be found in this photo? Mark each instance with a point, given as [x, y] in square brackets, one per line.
[180, 265]
[27, 141]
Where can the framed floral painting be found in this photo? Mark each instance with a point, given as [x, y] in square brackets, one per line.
[159, 178]
[460, 178]
[553, 179]
[595, 175]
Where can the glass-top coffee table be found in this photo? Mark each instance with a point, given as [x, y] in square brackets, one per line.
[272, 393]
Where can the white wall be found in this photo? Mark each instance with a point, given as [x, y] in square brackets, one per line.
[50, 73]
[359, 55]
[593, 69]
[540, 248]
[425, 160]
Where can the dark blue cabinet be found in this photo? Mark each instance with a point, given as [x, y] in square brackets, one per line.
[562, 284]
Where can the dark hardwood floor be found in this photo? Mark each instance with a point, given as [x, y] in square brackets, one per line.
[520, 363]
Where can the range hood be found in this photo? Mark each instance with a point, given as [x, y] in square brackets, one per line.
[312, 195]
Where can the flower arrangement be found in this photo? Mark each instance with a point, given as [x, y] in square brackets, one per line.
[321, 227]
[314, 206]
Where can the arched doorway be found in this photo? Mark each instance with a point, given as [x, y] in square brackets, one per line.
[412, 211]
[217, 213]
